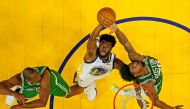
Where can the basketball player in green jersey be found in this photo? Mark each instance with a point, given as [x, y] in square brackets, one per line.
[33, 81]
[148, 70]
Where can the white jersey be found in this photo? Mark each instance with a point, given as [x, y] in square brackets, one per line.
[91, 71]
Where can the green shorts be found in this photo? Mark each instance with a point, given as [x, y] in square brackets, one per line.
[58, 87]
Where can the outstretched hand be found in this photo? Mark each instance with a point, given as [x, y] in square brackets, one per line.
[178, 107]
[113, 28]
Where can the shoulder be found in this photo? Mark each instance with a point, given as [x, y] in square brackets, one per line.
[90, 57]
[41, 69]
[46, 73]
[149, 58]
[16, 77]
[118, 63]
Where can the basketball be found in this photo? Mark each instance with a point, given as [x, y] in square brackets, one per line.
[106, 16]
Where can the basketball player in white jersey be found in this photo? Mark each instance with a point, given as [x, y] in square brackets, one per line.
[98, 63]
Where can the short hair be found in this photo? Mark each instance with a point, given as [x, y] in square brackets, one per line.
[108, 38]
[126, 74]
[27, 72]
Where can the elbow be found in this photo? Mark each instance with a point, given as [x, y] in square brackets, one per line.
[43, 104]
[68, 96]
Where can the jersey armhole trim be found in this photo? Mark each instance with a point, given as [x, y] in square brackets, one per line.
[91, 61]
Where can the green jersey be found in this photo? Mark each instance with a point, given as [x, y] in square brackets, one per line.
[154, 73]
[58, 87]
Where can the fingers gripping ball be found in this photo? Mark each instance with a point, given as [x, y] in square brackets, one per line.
[106, 16]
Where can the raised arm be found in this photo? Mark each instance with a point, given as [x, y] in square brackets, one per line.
[91, 44]
[133, 55]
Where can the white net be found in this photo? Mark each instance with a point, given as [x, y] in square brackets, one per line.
[126, 97]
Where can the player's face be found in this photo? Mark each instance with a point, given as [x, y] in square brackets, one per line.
[35, 78]
[135, 67]
[104, 48]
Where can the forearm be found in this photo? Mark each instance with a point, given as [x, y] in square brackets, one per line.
[5, 90]
[91, 44]
[96, 32]
[121, 36]
[34, 104]
[133, 55]
[124, 41]
[140, 103]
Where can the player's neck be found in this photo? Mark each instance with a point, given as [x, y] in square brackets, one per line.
[105, 58]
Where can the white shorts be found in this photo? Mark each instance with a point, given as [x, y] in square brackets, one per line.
[88, 86]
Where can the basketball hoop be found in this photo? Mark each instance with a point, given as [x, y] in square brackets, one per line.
[130, 92]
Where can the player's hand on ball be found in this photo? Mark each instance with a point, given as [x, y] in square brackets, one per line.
[106, 16]
[20, 98]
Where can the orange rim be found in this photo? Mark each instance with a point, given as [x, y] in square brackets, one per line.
[144, 87]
